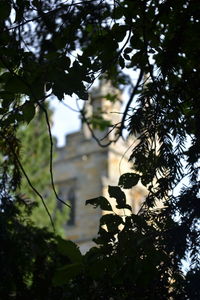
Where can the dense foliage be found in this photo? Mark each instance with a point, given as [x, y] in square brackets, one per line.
[35, 158]
[58, 48]
[28, 256]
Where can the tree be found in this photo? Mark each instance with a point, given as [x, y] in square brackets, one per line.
[29, 255]
[35, 158]
[57, 48]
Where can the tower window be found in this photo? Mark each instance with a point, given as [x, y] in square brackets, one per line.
[67, 194]
[71, 201]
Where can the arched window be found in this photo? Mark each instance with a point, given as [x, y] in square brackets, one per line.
[66, 192]
[71, 200]
[59, 203]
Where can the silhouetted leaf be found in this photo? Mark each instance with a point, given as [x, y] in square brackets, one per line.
[69, 249]
[118, 194]
[112, 222]
[128, 180]
[28, 111]
[102, 202]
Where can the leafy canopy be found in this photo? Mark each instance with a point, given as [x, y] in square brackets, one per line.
[57, 48]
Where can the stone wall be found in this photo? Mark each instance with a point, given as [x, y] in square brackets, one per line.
[88, 169]
[85, 167]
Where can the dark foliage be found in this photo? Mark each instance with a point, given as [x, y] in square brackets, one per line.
[28, 256]
[159, 40]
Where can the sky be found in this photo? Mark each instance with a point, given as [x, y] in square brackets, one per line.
[65, 120]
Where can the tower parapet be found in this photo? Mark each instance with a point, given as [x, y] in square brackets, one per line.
[83, 170]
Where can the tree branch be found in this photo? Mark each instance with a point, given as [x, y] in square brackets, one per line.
[130, 101]
[51, 155]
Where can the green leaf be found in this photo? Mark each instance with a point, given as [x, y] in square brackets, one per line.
[111, 97]
[98, 122]
[70, 249]
[102, 202]
[128, 180]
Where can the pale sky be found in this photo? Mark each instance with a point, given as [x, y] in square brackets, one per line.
[65, 120]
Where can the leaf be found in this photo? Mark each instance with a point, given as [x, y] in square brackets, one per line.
[64, 62]
[138, 59]
[58, 92]
[28, 111]
[70, 249]
[66, 273]
[111, 97]
[118, 194]
[128, 50]
[112, 223]
[136, 42]
[119, 32]
[126, 56]
[102, 202]
[83, 95]
[98, 122]
[128, 180]
[139, 221]
[118, 12]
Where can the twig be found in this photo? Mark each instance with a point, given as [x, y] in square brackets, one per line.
[130, 100]
[51, 155]
[30, 184]
[46, 13]
[129, 147]
[71, 108]
[51, 142]
[107, 134]
[92, 132]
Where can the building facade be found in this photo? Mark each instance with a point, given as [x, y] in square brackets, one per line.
[83, 170]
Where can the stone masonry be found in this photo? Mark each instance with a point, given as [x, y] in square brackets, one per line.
[83, 170]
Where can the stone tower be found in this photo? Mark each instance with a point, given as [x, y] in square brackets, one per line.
[83, 170]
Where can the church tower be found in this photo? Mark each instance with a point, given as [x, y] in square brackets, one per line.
[83, 170]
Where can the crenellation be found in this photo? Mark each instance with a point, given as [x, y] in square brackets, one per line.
[87, 168]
